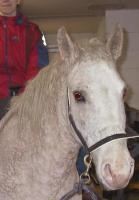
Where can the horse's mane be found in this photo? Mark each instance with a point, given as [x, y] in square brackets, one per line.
[39, 95]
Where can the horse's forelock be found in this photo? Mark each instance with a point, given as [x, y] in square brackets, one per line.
[94, 49]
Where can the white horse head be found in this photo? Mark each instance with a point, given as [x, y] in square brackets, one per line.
[96, 93]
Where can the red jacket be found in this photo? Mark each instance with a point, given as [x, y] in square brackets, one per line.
[22, 52]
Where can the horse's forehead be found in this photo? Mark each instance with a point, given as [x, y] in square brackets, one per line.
[93, 67]
[101, 72]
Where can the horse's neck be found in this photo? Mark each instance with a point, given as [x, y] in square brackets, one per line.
[58, 149]
[57, 160]
[58, 153]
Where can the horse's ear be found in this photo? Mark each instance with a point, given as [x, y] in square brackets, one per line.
[115, 42]
[67, 48]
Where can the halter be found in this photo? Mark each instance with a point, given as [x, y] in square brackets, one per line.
[99, 143]
[85, 176]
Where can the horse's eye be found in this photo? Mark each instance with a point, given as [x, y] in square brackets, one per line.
[124, 93]
[79, 96]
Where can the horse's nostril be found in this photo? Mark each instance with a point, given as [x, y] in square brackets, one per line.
[117, 176]
[132, 164]
[107, 170]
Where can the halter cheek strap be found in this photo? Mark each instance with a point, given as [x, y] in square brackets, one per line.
[99, 143]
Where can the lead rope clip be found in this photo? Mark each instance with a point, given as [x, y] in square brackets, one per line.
[85, 176]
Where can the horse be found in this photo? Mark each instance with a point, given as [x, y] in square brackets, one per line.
[38, 141]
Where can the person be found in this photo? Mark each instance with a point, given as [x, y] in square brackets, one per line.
[22, 52]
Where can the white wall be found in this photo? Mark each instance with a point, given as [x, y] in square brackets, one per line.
[52, 41]
[78, 27]
[129, 20]
[81, 24]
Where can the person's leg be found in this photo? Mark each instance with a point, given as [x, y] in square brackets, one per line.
[4, 105]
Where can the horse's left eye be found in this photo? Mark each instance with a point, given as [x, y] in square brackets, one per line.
[124, 93]
[78, 96]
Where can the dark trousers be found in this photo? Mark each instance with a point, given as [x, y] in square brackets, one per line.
[4, 105]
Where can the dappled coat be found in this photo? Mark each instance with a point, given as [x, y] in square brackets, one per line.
[22, 52]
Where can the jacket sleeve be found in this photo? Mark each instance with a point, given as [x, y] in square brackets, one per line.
[37, 53]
